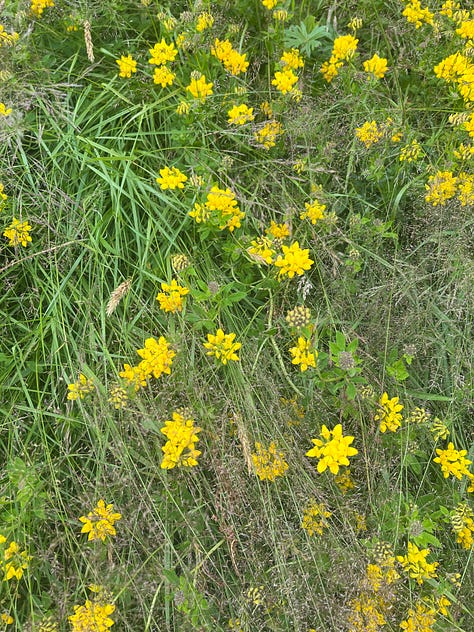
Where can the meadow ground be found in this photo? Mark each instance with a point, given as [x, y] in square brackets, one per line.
[236, 361]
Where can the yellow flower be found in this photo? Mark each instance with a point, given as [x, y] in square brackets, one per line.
[314, 517]
[330, 69]
[421, 618]
[332, 450]
[268, 463]
[261, 250]
[171, 299]
[292, 59]
[198, 87]
[162, 53]
[278, 231]
[80, 388]
[6, 618]
[376, 65]
[314, 211]
[267, 135]
[295, 260]
[99, 523]
[14, 561]
[453, 462]
[440, 188]
[4, 111]
[240, 114]
[171, 178]
[127, 65]
[92, 616]
[38, 6]
[303, 354]
[269, 4]
[222, 346]
[284, 80]
[411, 152]
[416, 565]
[369, 133]
[389, 414]
[204, 21]
[414, 13]
[18, 233]
[232, 60]
[182, 435]
[344, 47]
[163, 76]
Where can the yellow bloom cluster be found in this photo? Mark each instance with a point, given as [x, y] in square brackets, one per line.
[463, 525]
[421, 618]
[304, 354]
[295, 260]
[266, 136]
[233, 61]
[163, 76]
[314, 211]
[278, 231]
[222, 346]
[376, 66]
[261, 250]
[369, 133]
[344, 48]
[4, 111]
[389, 414]
[118, 397]
[453, 462]
[458, 69]
[198, 87]
[284, 80]
[13, 561]
[92, 616]
[126, 65]
[416, 14]
[157, 359]
[204, 21]
[18, 233]
[180, 449]
[366, 613]
[80, 388]
[292, 59]
[269, 4]
[3, 196]
[171, 178]
[268, 463]
[411, 152]
[38, 6]
[7, 39]
[220, 209]
[416, 565]
[314, 517]
[171, 299]
[240, 114]
[332, 450]
[162, 53]
[99, 523]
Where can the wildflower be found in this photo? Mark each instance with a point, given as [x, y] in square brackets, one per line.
[292, 59]
[118, 397]
[13, 561]
[3, 196]
[464, 152]
[418, 416]
[463, 525]
[453, 462]
[233, 61]
[284, 80]
[332, 450]
[278, 231]
[204, 21]
[441, 187]
[344, 47]
[162, 53]
[221, 209]
[266, 109]
[298, 317]
[330, 69]
[268, 463]
[345, 481]
[304, 354]
[183, 108]
[92, 616]
[367, 612]
[269, 4]
[163, 76]
[180, 449]
[240, 114]
[261, 250]
[38, 6]
[421, 618]
[6, 618]
[466, 29]
[369, 133]
[134, 376]
[411, 152]
[171, 299]
[355, 24]
[7, 39]
[198, 87]
[389, 414]
[127, 65]
[267, 135]
[80, 388]
[171, 178]
[465, 184]
[314, 517]
[222, 346]
[416, 565]
[157, 357]
[415, 14]
[18, 233]
[377, 66]
[314, 211]
[99, 523]
[280, 14]
[439, 429]
[295, 260]
[4, 111]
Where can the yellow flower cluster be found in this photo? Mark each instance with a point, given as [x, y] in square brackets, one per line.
[220, 209]
[314, 211]
[157, 359]
[344, 48]
[204, 21]
[18, 233]
[222, 346]
[171, 298]
[284, 80]
[269, 4]
[4, 111]
[369, 133]
[411, 152]
[295, 260]
[3, 196]
[389, 414]
[463, 525]
[416, 14]
[332, 450]
[13, 561]
[92, 616]
[180, 449]
[278, 231]
[80, 388]
[366, 613]
[198, 88]
[304, 354]
[240, 114]
[99, 523]
[261, 250]
[453, 462]
[444, 185]
[38, 6]
[415, 564]
[162, 52]
[127, 65]
[268, 463]
[7, 39]
[376, 66]
[314, 517]
[292, 59]
[458, 69]
[421, 618]
[267, 135]
[171, 178]
[118, 397]
[233, 61]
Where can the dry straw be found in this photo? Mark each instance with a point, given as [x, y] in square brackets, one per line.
[117, 296]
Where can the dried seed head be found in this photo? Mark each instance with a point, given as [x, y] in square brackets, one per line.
[117, 296]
